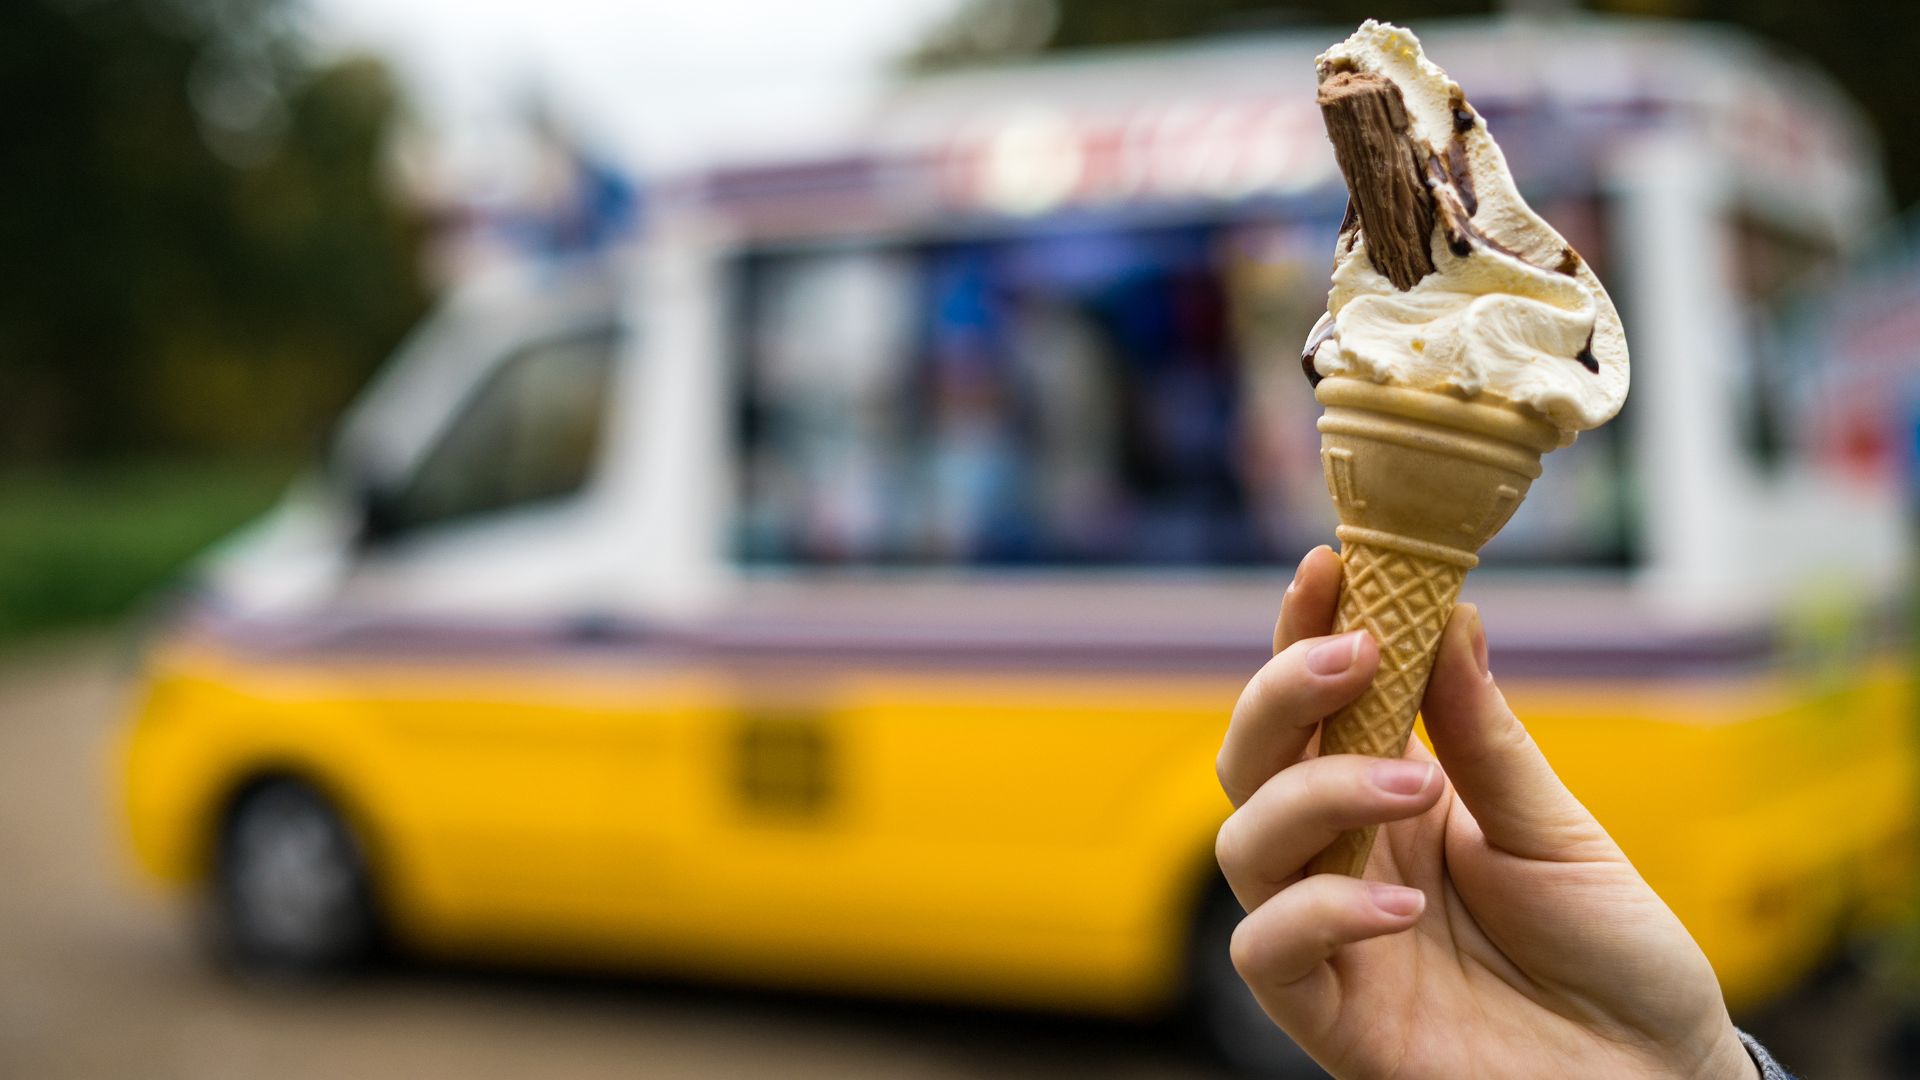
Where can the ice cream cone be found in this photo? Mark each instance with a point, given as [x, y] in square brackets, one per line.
[1421, 480]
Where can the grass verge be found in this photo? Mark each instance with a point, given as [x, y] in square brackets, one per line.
[85, 543]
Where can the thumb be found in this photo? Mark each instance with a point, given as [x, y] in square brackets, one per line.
[1493, 763]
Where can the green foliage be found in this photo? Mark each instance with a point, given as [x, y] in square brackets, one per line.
[200, 256]
[1881, 79]
[85, 543]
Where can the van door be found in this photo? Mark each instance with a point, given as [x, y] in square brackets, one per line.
[485, 603]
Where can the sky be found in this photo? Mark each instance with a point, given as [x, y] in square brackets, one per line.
[654, 83]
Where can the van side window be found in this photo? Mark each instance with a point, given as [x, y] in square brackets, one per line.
[529, 434]
[1096, 394]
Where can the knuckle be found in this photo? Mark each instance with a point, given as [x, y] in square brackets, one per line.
[1224, 771]
[1324, 786]
[1273, 952]
[1250, 950]
[1266, 687]
[1572, 842]
[1228, 844]
[1326, 909]
[1277, 691]
[1514, 736]
[1293, 659]
[1321, 915]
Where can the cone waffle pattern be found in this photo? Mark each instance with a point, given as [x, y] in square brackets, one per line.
[1420, 480]
[1403, 601]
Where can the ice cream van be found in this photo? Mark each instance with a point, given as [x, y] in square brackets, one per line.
[847, 587]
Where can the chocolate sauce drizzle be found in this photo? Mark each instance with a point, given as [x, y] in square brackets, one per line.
[1456, 154]
[1585, 356]
[1459, 175]
[1456, 216]
[1463, 115]
[1349, 231]
[1450, 180]
[1322, 334]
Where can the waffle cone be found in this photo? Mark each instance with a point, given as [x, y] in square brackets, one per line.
[1421, 480]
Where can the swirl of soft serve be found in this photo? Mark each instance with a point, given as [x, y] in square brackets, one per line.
[1511, 313]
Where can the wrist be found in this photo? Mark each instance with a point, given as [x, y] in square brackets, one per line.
[1730, 1059]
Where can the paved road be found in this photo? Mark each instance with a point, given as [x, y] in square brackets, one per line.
[100, 979]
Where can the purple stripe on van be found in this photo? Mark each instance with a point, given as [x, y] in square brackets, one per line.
[836, 176]
[764, 642]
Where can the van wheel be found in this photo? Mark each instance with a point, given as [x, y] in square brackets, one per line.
[1232, 1023]
[291, 895]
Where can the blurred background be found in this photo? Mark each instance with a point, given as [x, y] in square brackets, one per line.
[575, 537]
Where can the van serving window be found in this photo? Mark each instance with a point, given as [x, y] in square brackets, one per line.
[1094, 393]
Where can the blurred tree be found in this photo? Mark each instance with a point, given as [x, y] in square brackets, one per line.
[1828, 34]
[200, 254]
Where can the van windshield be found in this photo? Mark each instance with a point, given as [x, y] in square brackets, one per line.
[1094, 395]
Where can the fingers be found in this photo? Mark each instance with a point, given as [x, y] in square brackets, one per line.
[1283, 703]
[1276, 715]
[1494, 765]
[1286, 940]
[1267, 842]
[1307, 608]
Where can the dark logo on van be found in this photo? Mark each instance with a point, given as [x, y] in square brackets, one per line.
[784, 765]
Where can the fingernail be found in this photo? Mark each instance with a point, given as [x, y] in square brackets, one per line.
[1396, 899]
[1479, 640]
[1334, 655]
[1400, 776]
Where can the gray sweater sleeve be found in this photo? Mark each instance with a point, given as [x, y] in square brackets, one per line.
[1769, 1068]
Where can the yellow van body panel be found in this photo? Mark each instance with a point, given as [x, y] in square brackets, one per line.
[1020, 837]
[1773, 813]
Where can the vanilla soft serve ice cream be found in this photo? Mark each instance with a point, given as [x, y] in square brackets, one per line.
[1510, 313]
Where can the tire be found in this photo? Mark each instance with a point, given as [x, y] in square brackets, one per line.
[292, 897]
[1229, 1020]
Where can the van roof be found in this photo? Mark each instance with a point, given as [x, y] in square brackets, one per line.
[1234, 120]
